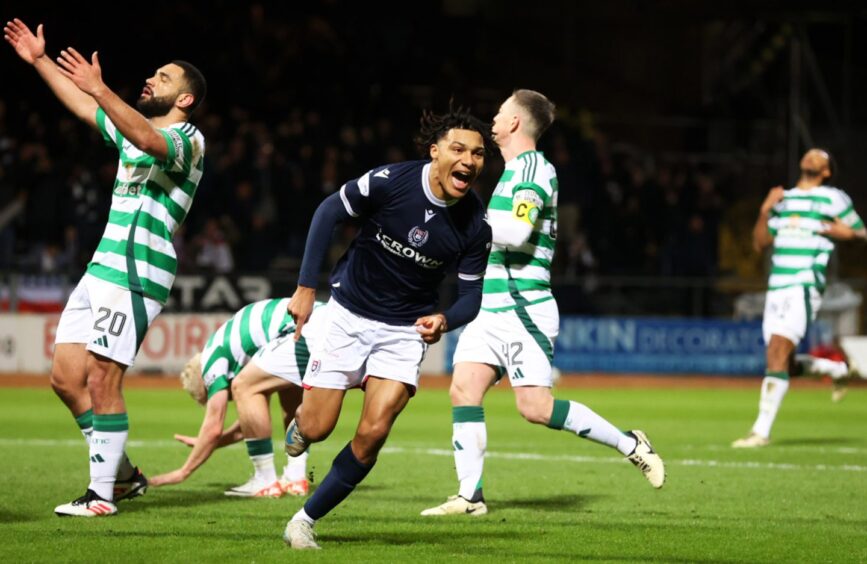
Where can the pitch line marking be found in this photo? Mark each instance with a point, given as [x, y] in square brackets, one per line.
[748, 465]
[751, 465]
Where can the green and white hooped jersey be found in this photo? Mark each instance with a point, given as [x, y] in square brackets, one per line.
[236, 341]
[801, 251]
[521, 276]
[150, 201]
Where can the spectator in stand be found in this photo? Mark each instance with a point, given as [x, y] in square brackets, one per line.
[214, 252]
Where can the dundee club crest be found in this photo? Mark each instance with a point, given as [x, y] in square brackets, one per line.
[418, 236]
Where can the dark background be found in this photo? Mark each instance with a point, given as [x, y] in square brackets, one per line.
[674, 119]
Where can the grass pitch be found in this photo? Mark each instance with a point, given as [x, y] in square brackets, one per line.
[551, 495]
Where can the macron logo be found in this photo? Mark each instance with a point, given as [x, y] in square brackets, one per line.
[382, 174]
[428, 215]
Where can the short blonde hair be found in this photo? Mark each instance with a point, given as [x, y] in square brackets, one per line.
[191, 379]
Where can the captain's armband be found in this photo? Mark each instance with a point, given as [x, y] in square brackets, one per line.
[525, 206]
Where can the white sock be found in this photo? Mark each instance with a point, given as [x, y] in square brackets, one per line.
[773, 391]
[263, 466]
[296, 467]
[469, 440]
[586, 423]
[302, 516]
[261, 453]
[125, 469]
[106, 451]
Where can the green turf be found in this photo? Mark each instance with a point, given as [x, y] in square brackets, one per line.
[802, 499]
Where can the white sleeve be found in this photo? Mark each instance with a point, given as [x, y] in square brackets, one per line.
[509, 232]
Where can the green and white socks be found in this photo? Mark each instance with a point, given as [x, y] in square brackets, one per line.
[469, 440]
[584, 422]
[107, 443]
[261, 453]
[774, 387]
[85, 423]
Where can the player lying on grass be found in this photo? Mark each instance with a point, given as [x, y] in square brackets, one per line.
[250, 356]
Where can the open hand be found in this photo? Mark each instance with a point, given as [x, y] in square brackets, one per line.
[28, 46]
[173, 477]
[87, 76]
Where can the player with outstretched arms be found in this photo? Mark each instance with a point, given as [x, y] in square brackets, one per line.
[132, 271]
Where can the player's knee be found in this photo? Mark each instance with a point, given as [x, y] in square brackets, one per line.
[312, 428]
[61, 384]
[97, 380]
[456, 394]
[239, 388]
[462, 394]
[373, 432]
[102, 383]
[777, 356]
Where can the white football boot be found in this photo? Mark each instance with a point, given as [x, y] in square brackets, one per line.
[88, 505]
[255, 488]
[753, 440]
[300, 535]
[457, 505]
[645, 459]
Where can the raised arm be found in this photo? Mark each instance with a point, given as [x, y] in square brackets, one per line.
[210, 435]
[31, 49]
[87, 76]
[761, 234]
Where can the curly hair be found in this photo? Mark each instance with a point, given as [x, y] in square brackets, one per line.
[191, 379]
[433, 127]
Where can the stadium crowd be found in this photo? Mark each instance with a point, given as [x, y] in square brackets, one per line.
[620, 212]
[277, 147]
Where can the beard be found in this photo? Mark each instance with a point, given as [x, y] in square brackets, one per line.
[811, 173]
[155, 106]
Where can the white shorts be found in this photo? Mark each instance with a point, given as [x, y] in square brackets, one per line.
[789, 311]
[110, 320]
[284, 358]
[351, 348]
[517, 342]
